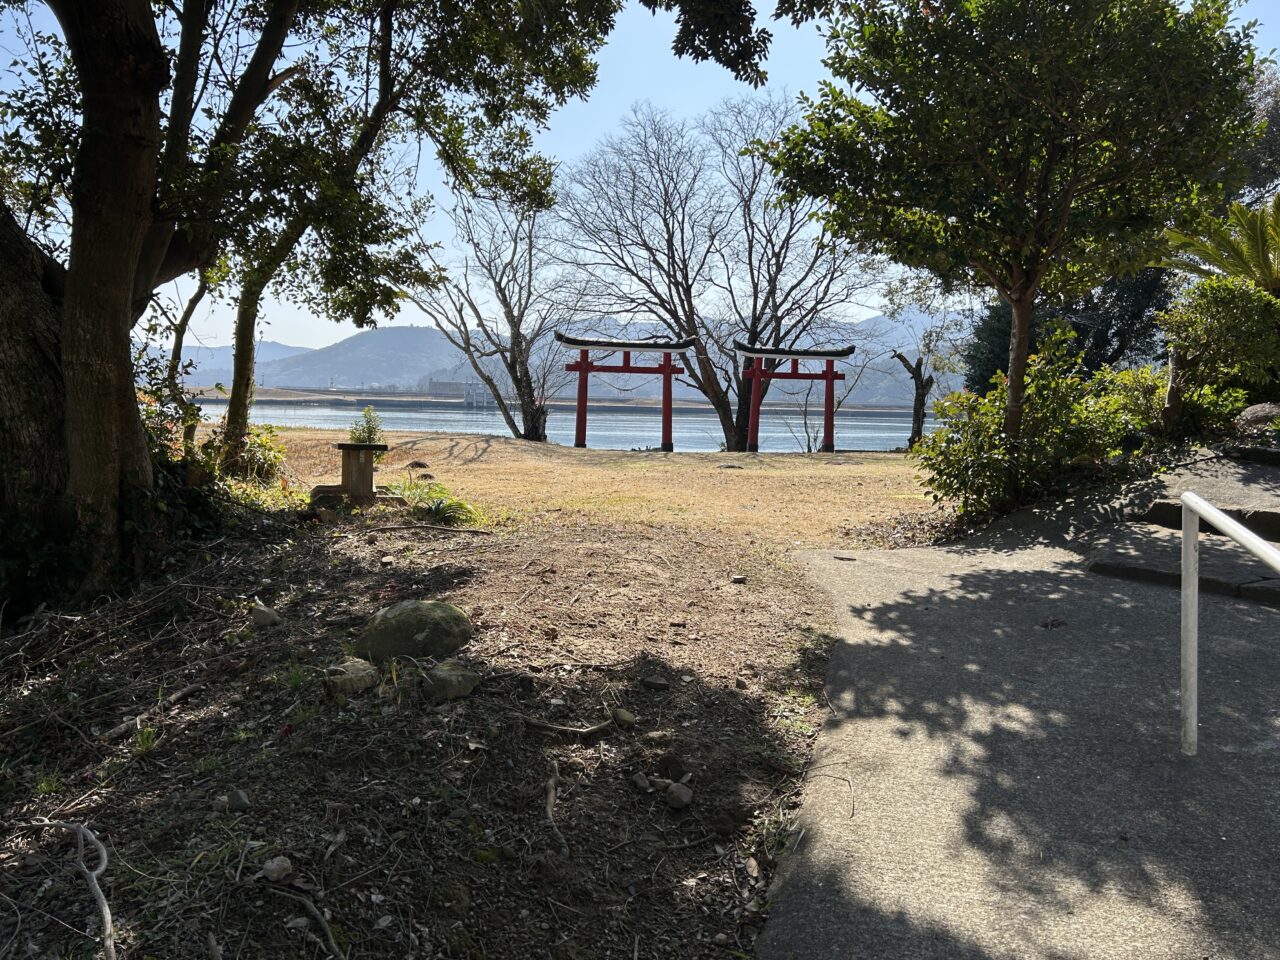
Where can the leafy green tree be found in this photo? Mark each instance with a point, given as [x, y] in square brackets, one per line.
[332, 239]
[1223, 333]
[147, 120]
[1245, 245]
[1029, 145]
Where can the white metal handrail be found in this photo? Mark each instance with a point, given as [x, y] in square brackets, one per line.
[1193, 508]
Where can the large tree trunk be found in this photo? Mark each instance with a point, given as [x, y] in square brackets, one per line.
[33, 460]
[920, 404]
[741, 416]
[533, 411]
[1019, 349]
[708, 383]
[533, 417]
[122, 68]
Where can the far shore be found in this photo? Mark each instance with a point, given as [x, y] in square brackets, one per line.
[286, 396]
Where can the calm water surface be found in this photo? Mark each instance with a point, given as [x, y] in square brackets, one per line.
[693, 430]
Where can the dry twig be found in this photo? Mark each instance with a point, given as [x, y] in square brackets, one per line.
[420, 526]
[135, 723]
[546, 727]
[329, 943]
[553, 783]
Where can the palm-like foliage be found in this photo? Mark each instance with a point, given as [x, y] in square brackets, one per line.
[1245, 245]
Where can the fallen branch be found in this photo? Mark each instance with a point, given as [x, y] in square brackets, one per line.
[553, 784]
[546, 727]
[420, 526]
[329, 943]
[90, 876]
[135, 723]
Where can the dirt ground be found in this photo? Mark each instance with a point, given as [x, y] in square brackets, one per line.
[515, 822]
[785, 499]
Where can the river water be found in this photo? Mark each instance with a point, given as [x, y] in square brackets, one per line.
[609, 429]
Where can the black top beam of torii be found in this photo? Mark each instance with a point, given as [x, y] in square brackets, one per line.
[789, 353]
[633, 346]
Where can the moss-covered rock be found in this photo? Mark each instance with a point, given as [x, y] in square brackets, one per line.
[421, 629]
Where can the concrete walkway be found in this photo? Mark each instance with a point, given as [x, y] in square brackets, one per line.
[1002, 776]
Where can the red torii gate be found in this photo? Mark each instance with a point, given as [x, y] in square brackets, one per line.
[757, 372]
[584, 367]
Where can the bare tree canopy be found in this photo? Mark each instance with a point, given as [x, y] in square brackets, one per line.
[679, 225]
[500, 306]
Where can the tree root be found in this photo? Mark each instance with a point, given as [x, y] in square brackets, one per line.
[83, 833]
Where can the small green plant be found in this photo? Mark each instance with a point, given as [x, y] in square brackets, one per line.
[432, 502]
[145, 739]
[295, 676]
[1224, 349]
[368, 429]
[48, 782]
[207, 764]
[242, 734]
[304, 713]
[261, 462]
[263, 455]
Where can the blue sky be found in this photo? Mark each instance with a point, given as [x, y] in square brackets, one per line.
[635, 65]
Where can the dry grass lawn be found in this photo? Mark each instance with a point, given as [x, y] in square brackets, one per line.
[788, 499]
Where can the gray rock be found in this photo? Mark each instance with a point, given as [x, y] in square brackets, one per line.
[353, 675]
[640, 782]
[656, 682]
[277, 868]
[388, 560]
[738, 578]
[238, 801]
[422, 629]
[679, 796]
[1257, 416]
[625, 719]
[262, 615]
[449, 680]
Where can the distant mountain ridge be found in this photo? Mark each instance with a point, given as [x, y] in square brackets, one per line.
[208, 359]
[406, 358]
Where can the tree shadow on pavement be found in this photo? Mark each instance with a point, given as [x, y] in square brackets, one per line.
[1011, 742]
